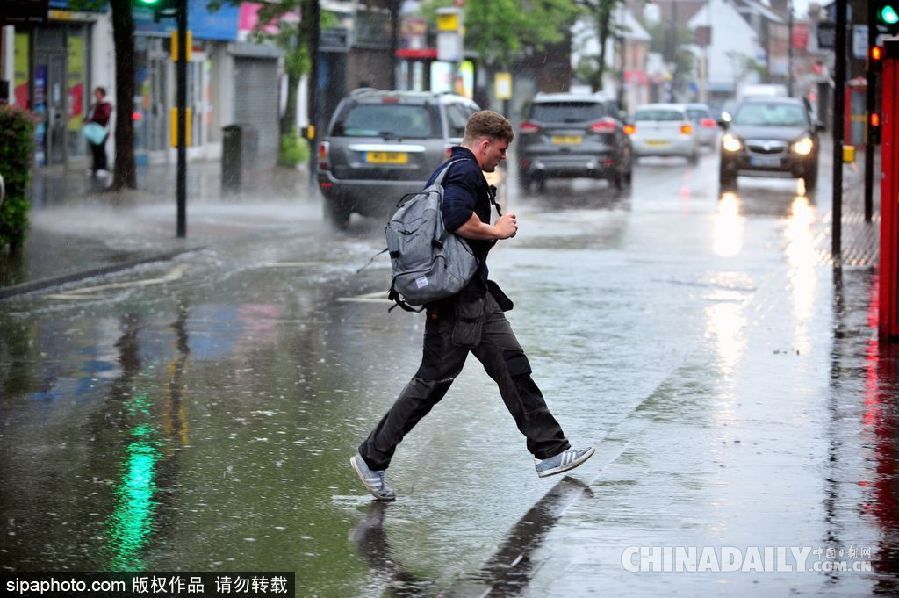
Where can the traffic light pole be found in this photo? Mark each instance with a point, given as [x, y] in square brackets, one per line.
[181, 125]
[839, 105]
[870, 137]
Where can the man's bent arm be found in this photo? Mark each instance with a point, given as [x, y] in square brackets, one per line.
[477, 230]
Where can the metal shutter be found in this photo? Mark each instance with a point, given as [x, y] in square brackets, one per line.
[256, 103]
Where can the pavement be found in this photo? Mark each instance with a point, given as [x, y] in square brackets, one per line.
[775, 430]
[81, 229]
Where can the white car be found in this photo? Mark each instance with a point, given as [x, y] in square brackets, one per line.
[665, 130]
[704, 123]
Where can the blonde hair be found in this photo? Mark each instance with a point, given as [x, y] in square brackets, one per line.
[487, 123]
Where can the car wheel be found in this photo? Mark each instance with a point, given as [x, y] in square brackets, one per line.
[727, 178]
[524, 181]
[810, 179]
[337, 213]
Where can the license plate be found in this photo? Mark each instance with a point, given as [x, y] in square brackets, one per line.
[567, 139]
[386, 157]
[658, 143]
[765, 161]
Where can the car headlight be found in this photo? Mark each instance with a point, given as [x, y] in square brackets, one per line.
[731, 142]
[804, 146]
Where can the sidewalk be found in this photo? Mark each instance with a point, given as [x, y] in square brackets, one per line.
[80, 229]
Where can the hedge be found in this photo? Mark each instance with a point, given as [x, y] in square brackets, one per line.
[16, 152]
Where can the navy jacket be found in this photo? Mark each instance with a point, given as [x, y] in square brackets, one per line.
[465, 190]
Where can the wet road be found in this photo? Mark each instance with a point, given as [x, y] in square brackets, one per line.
[199, 415]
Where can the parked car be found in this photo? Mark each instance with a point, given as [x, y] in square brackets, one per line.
[665, 130]
[770, 137]
[381, 145]
[704, 123]
[567, 135]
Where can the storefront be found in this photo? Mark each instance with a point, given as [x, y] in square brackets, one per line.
[51, 77]
[212, 32]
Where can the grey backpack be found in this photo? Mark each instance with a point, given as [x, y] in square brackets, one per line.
[428, 262]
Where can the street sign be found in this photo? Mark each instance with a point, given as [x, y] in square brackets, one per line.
[450, 40]
[860, 41]
[502, 86]
[825, 34]
[702, 36]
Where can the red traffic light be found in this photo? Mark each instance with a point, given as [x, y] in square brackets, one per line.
[875, 119]
[876, 53]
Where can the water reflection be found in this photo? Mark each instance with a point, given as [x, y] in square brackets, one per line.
[726, 322]
[508, 572]
[371, 543]
[729, 225]
[876, 437]
[150, 431]
[802, 257]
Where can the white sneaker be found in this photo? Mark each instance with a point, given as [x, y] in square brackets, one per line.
[563, 461]
[374, 481]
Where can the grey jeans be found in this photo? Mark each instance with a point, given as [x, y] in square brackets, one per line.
[442, 360]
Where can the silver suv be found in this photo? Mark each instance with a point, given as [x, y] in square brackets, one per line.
[381, 145]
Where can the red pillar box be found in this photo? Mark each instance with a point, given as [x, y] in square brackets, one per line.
[889, 194]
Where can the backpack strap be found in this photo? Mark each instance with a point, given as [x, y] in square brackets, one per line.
[394, 296]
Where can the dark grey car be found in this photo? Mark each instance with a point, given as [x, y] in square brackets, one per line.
[770, 137]
[573, 135]
[381, 145]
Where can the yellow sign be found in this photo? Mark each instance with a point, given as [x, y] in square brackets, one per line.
[448, 22]
[502, 86]
[848, 154]
[174, 46]
[173, 127]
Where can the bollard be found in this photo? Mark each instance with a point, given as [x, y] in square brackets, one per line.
[231, 158]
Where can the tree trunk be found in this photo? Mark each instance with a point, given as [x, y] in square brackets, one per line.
[123, 39]
[603, 31]
[288, 124]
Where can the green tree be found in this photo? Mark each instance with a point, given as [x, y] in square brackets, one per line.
[498, 30]
[280, 23]
[293, 37]
[673, 43]
[602, 14]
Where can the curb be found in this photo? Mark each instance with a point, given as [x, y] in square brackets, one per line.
[54, 281]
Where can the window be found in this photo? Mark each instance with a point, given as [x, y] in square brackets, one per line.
[660, 114]
[563, 112]
[770, 114]
[457, 116]
[391, 121]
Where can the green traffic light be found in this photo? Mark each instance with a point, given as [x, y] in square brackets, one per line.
[149, 2]
[888, 15]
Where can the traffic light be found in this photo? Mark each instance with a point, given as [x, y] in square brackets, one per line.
[875, 58]
[162, 9]
[887, 14]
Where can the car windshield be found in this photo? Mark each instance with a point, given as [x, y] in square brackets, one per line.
[401, 121]
[770, 114]
[560, 112]
[658, 114]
